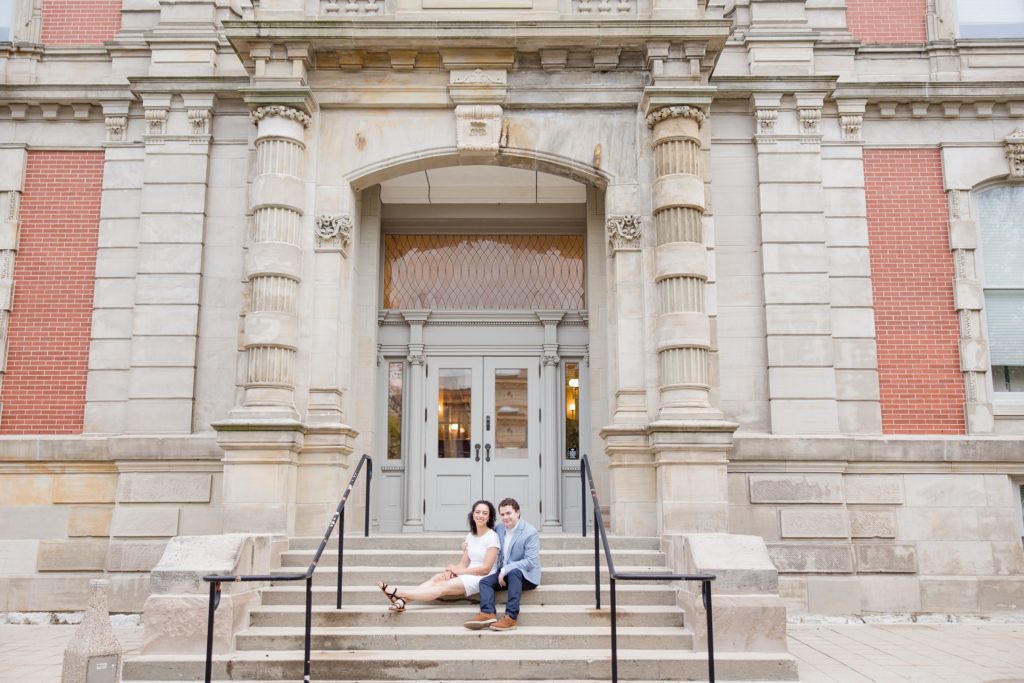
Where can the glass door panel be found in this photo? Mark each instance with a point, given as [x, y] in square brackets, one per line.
[511, 413]
[454, 412]
[512, 431]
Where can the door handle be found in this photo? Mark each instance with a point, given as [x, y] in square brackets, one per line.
[488, 449]
[477, 447]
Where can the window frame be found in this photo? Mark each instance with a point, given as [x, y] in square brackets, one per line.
[955, 7]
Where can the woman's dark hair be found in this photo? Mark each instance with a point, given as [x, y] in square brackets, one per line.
[491, 514]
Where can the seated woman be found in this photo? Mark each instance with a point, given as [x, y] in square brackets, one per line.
[479, 559]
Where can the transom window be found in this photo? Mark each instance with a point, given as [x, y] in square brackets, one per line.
[6, 20]
[990, 18]
[1001, 216]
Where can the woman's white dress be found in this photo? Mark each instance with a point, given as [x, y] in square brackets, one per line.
[476, 548]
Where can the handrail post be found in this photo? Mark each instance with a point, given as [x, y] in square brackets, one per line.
[214, 589]
[583, 498]
[341, 555]
[366, 512]
[615, 637]
[309, 627]
[706, 589]
[597, 567]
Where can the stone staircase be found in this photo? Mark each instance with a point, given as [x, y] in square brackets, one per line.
[560, 636]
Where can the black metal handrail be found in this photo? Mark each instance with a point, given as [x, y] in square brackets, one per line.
[339, 516]
[613, 576]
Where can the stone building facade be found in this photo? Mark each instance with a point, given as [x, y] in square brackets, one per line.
[760, 259]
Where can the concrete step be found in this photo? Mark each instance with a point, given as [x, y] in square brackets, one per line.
[401, 638]
[631, 593]
[437, 614]
[410, 576]
[379, 557]
[465, 664]
[454, 541]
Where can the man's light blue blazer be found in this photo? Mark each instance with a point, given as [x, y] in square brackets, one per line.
[524, 554]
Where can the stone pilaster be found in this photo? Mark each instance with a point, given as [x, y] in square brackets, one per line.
[416, 454]
[12, 171]
[551, 405]
[690, 438]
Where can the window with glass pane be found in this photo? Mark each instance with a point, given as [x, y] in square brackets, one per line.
[1001, 216]
[511, 410]
[454, 412]
[6, 19]
[395, 397]
[990, 18]
[572, 411]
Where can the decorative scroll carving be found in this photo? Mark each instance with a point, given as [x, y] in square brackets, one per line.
[851, 126]
[117, 128]
[766, 119]
[603, 8]
[676, 112]
[1013, 144]
[156, 121]
[261, 113]
[416, 358]
[550, 359]
[624, 231]
[200, 121]
[478, 128]
[480, 76]
[810, 119]
[333, 232]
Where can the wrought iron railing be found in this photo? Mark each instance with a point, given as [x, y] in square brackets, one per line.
[601, 539]
[337, 520]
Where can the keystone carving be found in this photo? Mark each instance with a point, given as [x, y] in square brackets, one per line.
[117, 128]
[261, 113]
[676, 112]
[1013, 144]
[624, 231]
[478, 128]
[333, 232]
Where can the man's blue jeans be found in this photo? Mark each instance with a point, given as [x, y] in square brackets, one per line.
[515, 583]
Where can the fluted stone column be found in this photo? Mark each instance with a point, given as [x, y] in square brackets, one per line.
[273, 266]
[263, 435]
[690, 438]
[683, 331]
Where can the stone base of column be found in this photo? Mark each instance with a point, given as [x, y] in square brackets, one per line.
[325, 466]
[691, 458]
[260, 475]
[633, 491]
[630, 407]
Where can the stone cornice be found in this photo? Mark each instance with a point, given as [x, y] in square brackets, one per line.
[907, 91]
[741, 87]
[955, 452]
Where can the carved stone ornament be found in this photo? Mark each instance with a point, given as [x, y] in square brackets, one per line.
[478, 76]
[676, 112]
[810, 119]
[416, 358]
[851, 125]
[261, 113]
[117, 128]
[200, 121]
[478, 128]
[156, 121]
[1013, 144]
[624, 231]
[550, 359]
[766, 119]
[333, 232]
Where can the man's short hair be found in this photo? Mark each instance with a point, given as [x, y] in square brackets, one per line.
[509, 502]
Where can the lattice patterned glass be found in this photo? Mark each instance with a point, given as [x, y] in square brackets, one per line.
[484, 272]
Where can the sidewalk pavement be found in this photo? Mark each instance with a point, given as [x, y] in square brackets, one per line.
[846, 653]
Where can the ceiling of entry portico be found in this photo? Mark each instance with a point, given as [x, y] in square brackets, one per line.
[482, 185]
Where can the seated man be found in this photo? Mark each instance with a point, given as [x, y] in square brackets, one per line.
[518, 569]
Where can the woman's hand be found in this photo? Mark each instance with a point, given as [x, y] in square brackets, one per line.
[453, 570]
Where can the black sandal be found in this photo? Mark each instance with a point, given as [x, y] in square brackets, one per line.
[392, 596]
[397, 605]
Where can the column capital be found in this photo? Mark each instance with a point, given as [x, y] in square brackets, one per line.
[676, 111]
[624, 232]
[271, 110]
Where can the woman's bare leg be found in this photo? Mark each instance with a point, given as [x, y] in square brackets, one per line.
[433, 589]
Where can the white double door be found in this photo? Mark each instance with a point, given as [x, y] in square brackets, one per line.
[482, 437]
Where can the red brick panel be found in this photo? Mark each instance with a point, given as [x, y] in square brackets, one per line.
[887, 21]
[80, 22]
[922, 389]
[48, 336]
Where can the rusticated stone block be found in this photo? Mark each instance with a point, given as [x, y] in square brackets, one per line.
[77, 554]
[888, 593]
[815, 558]
[814, 523]
[873, 488]
[1001, 594]
[90, 521]
[885, 558]
[138, 487]
[955, 558]
[84, 488]
[833, 595]
[33, 521]
[134, 556]
[142, 521]
[872, 523]
[26, 489]
[950, 594]
[953, 490]
[18, 557]
[796, 488]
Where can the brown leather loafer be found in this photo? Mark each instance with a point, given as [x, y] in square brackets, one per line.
[506, 624]
[481, 621]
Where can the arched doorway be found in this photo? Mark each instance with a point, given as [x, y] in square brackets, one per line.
[482, 388]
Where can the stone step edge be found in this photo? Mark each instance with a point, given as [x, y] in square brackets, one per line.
[458, 606]
[624, 587]
[269, 631]
[495, 655]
